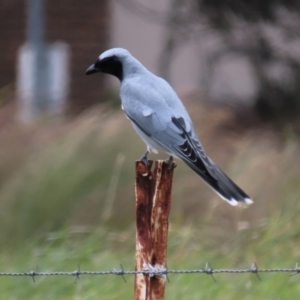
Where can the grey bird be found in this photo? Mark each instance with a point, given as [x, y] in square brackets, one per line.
[161, 120]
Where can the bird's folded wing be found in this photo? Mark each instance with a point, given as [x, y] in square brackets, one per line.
[174, 134]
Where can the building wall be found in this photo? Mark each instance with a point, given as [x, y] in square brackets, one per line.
[12, 35]
[84, 25]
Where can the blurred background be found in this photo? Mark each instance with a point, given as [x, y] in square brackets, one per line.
[67, 152]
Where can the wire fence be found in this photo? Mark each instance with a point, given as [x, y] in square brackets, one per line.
[155, 271]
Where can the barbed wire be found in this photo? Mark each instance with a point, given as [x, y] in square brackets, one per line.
[155, 271]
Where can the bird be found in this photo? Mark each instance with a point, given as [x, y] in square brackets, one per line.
[161, 120]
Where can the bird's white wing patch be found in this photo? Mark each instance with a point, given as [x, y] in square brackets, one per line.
[147, 112]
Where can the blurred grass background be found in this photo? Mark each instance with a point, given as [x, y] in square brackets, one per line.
[67, 199]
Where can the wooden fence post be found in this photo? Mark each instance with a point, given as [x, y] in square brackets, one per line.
[153, 203]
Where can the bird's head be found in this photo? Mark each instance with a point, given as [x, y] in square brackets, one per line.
[110, 62]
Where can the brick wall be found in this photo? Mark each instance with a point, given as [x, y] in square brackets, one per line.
[84, 25]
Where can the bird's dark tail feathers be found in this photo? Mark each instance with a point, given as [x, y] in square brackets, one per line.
[223, 185]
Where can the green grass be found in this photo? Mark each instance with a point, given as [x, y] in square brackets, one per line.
[67, 199]
[105, 250]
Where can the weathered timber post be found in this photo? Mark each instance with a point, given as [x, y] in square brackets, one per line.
[153, 203]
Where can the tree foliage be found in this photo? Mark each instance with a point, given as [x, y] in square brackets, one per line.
[271, 36]
[251, 11]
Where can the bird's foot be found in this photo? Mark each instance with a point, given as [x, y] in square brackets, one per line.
[170, 161]
[144, 158]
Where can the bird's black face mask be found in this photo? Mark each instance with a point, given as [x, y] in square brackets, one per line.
[110, 65]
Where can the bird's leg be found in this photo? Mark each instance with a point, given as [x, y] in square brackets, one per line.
[170, 162]
[144, 158]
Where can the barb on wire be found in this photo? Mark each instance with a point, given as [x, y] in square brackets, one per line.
[254, 269]
[209, 270]
[121, 272]
[168, 279]
[33, 273]
[76, 274]
[297, 270]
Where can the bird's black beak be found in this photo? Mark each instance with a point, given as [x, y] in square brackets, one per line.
[91, 70]
[109, 65]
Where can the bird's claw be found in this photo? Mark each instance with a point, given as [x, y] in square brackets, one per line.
[144, 158]
[170, 162]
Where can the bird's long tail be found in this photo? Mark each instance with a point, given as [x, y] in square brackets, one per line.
[223, 185]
